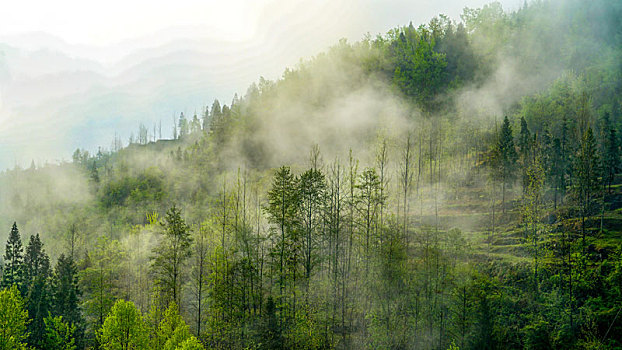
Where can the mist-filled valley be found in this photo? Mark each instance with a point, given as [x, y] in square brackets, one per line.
[453, 184]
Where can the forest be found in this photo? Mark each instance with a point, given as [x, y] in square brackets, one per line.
[451, 185]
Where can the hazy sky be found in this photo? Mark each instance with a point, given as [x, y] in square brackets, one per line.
[74, 72]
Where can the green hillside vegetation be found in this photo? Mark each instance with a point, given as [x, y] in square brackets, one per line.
[454, 185]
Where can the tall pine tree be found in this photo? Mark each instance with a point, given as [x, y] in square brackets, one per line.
[36, 278]
[524, 148]
[506, 157]
[13, 261]
[586, 173]
[611, 156]
[65, 295]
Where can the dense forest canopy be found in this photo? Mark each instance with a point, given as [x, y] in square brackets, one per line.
[452, 185]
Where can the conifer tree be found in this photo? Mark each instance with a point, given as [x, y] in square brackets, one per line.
[557, 170]
[531, 208]
[12, 272]
[65, 295]
[38, 294]
[524, 148]
[611, 157]
[271, 333]
[205, 119]
[183, 126]
[505, 157]
[195, 125]
[215, 116]
[586, 173]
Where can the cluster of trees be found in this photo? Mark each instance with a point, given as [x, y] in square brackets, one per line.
[454, 232]
[46, 309]
[343, 256]
[41, 302]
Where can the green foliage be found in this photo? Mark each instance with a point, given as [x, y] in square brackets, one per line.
[12, 272]
[38, 293]
[171, 254]
[172, 332]
[537, 336]
[65, 291]
[184, 127]
[99, 280]
[282, 209]
[611, 156]
[59, 335]
[586, 171]
[144, 188]
[345, 259]
[124, 328]
[312, 192]
[191, 343]
[271, 333]
[419, 70]
[14, 320]
[506, 152]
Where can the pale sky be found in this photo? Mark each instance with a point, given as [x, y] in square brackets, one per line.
[116, 24]
[109, 22]
[74, 72]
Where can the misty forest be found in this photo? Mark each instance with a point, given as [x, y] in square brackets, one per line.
[449, 185]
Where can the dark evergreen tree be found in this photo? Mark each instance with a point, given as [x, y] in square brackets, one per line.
[217, 126]
[271, 335]
[524, 140]
[483, 338]
[205, 119]
[420, 71]
[94, 173]
[557, 170]
[506, 157]
[611, 149]
[195, 126]
[38, 293]
[226, 111]
[65, 295]
[183, 126]
[524, 149]
[13, 272]
[586, 184]
[216, 110]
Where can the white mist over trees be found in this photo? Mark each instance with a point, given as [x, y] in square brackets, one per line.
[442, 186]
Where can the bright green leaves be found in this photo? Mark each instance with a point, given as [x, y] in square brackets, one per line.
[13, 320]
[124, 328]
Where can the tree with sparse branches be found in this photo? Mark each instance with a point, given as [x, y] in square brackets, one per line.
[170, 255]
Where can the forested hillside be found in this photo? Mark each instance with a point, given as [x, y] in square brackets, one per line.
[452, 185]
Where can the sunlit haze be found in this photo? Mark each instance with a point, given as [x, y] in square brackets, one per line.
[73, 73]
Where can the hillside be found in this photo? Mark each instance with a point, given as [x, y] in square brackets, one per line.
[451, 185]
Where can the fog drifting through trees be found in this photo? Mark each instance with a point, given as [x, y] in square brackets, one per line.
[450, 185]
